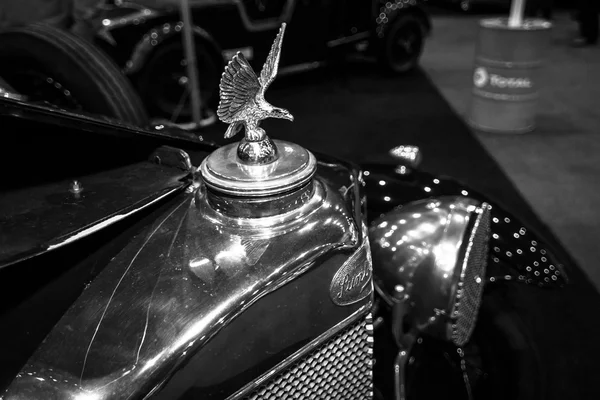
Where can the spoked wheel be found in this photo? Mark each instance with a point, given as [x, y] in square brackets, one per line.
[403, 44]
[166, 88]
[499, 362]
[46, 64]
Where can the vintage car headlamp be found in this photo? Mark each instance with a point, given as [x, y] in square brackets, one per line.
[430, 258]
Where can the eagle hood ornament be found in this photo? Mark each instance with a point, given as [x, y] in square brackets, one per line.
[257, 166]
[242, 104]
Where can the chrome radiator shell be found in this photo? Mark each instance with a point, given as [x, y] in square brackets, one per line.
[338, 365]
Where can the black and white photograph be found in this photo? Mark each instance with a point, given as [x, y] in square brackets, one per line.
[299, 199]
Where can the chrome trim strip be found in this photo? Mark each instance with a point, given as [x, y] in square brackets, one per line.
[349, 39]
[10, 95]
[8, 92]
[454, 314]
[355, 316]
[109, 24]
[294, 69]
[109, 221]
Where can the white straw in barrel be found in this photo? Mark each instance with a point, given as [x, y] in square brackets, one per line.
[516, 13]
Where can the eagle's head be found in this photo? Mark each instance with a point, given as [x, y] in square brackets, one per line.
[281, 113]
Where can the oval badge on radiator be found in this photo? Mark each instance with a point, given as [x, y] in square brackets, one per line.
[353, 281]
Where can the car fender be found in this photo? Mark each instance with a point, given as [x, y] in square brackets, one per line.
[517, 252]
[159, 34]
[390, 10]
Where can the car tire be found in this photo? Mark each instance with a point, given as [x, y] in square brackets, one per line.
[159, 81]
[50, 65]
[403, 44]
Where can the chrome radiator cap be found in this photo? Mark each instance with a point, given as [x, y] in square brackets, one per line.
[223, 171]
[258, 166]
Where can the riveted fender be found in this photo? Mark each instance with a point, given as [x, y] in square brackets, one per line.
[159, 34]
[516, 252]
[388, 11]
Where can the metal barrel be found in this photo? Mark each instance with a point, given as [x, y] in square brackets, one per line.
[506, 73]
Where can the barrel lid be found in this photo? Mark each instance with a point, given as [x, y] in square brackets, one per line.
[530, 24]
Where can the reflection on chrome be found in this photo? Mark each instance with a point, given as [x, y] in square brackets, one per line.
[423, 248]
[429, 258]
[173, 288]
[408, 155]
[364, 309]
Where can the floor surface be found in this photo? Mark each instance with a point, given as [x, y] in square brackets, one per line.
[556, 167]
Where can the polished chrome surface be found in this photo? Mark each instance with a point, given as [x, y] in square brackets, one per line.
[399, 374]
[259, 152]
[8, 92]
[11, 95]
[243, 104]
[139, 15]
[257, 166]
[417, 258]
[258, 207]
[339, 369]
[224, 173]
[468, 297]
[172, 289]
[407, 155]
[308, 349]
[172, 157]
[75, 187]
[352, 282]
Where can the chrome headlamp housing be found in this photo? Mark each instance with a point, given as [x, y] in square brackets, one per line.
[431, 256]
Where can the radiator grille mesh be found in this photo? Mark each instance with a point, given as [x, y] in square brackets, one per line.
[340, 369]
[471, 284]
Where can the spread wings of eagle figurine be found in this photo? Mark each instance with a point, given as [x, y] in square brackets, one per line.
[242, 103]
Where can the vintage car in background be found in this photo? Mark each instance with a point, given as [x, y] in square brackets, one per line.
[139, 264]
[471, 5]
[145, 40]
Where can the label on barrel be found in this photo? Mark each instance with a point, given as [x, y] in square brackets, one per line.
[492, 79]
